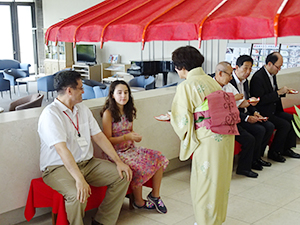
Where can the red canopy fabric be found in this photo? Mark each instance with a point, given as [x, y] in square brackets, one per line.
[289, 23]
[168, 20]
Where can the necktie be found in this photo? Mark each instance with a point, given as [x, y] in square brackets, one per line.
[274, 82]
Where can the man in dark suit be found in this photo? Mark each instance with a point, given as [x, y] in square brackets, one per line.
[264, 85]
[253, 124]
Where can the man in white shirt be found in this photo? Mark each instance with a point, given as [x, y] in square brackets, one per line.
[264, 85]
[66, 128]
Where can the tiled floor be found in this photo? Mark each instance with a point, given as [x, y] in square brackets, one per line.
[271, 199]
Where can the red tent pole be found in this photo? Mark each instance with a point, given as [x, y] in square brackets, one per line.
[98, 15]
[72, 18]
[145, 28]
[208, 15]
[110, 22]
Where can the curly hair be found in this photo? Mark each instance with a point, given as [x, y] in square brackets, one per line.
[187, 57]
[111, 105]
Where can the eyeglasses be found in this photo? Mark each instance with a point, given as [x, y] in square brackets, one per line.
[229, 74]
[279, 68]
[79, 88]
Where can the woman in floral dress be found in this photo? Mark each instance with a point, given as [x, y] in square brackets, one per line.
[118, 114]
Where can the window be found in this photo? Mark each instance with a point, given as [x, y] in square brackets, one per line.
[18, 38]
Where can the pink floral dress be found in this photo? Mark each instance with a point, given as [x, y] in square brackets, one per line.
[143, 162]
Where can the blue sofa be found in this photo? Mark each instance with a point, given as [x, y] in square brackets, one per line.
[88, 88]
[13, 64]
[100, 92]
[46, 84]
[12, 75]
[143, 82]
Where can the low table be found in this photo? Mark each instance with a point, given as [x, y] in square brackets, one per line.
[32, 78]
[111, 79]
[136, 89]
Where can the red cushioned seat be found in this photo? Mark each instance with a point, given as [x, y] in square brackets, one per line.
[291, 110]
[41, 195]
[237, 148]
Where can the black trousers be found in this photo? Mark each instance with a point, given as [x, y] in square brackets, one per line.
[254, 138]
[285, 136]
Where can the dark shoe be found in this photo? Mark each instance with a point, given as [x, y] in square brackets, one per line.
[94, 222]
[264, 163]
[256, 166]
[159, 204]
[291, 153]
[276, 157]
[247, 173]
[147, 205]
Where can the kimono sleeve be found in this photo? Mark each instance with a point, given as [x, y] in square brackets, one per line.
[182, 120]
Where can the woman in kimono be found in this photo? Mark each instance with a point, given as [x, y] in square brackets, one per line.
[212, 152]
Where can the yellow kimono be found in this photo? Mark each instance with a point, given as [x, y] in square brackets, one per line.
[212, 153]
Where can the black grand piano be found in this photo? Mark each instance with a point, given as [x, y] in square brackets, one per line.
[151, 68]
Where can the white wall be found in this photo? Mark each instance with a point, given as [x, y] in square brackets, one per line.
[57, 10]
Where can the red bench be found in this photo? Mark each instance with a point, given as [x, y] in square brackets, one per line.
[41, 195]
[291, 110]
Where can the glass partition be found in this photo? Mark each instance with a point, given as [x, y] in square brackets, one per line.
[26, 34]
[6, 41]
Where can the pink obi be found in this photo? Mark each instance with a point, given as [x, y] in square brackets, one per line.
[222, 114]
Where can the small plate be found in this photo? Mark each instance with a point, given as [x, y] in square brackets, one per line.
[293, 92]
[263, 119]
[162, 117]
[253, 101]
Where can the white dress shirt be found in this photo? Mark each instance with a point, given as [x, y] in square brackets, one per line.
[271, 78]
[240, 84]
[55, 126]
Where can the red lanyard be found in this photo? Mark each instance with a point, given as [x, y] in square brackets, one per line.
[77, 128]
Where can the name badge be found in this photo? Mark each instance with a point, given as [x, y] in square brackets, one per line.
[82, 142]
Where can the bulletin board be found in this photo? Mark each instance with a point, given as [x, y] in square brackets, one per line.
[291, 55]
[259, 53]
[234, 50]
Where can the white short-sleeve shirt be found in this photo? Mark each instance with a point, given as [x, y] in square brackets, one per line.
[55, 126]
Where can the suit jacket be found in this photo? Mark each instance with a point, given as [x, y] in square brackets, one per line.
[260, 86]
[250, 109]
